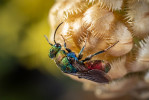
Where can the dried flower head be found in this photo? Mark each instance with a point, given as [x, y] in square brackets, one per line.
[106, 22]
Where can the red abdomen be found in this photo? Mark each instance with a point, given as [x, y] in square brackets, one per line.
[98, 64]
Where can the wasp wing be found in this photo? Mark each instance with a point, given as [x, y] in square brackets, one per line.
[79, 65]
[94, 75]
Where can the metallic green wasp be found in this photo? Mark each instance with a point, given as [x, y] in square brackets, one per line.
[68, 62]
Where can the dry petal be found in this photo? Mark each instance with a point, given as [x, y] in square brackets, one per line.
[142, 59]
[118, 69]
[110, 4]
[138, 14]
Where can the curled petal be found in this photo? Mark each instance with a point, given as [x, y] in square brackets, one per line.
[138, 13]
[118, 68]
[142, 58]
[110, 4]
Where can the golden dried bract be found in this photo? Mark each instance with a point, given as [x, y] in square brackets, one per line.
[138, 15]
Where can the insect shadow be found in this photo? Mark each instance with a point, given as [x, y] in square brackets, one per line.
[68, 62]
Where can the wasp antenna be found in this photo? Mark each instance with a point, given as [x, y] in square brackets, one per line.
[48, 40]
[111, 46]
[63, 38]
[80, 53]
[56, 31]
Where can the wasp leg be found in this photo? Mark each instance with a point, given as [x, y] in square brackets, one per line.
[80, 53]
[102, 51]
[65, 44]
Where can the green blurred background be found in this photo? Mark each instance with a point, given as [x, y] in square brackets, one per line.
[26, 72]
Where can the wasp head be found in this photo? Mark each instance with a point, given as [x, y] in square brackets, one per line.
[54, 49]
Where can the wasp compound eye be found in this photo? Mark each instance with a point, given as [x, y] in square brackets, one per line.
[57, 45]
